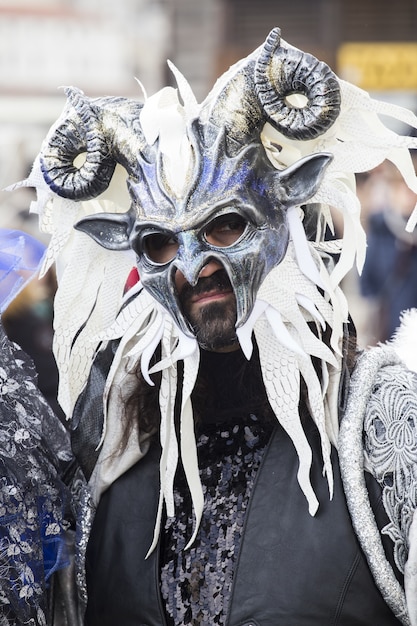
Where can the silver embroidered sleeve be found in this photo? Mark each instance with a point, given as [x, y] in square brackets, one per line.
[351, 453]
[390, 429]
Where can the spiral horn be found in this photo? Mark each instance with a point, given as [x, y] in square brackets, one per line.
[256, 90]
[92, 127]
[284, 71]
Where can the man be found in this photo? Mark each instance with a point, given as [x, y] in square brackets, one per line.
[206, 402]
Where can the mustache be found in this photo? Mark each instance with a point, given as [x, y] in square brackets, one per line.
[219, 281]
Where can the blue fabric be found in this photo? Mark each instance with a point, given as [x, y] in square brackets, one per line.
[20, 259]
[34, 501]
[54, 548]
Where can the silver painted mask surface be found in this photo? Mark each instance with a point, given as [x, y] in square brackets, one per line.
[227, 171]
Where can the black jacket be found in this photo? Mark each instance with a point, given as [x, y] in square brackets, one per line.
[292, 570]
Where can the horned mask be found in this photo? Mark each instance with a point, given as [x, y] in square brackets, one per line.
[203, 168]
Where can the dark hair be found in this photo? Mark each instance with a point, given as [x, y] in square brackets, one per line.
[142, 406]
[207, 397]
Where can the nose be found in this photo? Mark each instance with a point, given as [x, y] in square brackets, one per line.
[209, 269]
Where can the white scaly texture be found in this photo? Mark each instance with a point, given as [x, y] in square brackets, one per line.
[168, 437]
[290, 301]
[90, 283]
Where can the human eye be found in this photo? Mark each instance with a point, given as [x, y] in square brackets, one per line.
[225, 230]
[160, 247]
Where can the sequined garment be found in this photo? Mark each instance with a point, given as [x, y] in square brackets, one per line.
[33, 448]
[378, 428]
[196, 583]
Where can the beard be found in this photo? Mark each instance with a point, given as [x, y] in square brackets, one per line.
[214, 323]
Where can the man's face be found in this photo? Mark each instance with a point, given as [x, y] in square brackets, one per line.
[210, 308]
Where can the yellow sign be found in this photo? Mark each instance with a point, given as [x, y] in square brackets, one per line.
[379, 66]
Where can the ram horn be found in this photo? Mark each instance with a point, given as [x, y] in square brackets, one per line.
[281, 72]
[91, 127]
[256, 89]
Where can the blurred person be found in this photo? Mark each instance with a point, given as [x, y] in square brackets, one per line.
[28, 321]
[388, 280]
[239, 461]
[34, 456]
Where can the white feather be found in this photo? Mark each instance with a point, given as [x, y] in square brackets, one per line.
[404, 340]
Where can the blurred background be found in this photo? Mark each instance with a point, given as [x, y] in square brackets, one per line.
[103, 46]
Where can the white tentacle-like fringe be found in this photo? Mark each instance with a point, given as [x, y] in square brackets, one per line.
[282, 381]
[289, 305]
[169, 444]
[188, 454]
[142, 328]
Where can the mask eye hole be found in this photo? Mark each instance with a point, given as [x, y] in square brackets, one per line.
[225, 230]
[160, 247]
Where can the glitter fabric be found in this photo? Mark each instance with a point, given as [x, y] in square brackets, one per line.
[196, 583]
[85, 512]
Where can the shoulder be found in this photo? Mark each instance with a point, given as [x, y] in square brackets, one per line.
[382, 414]
[384, 381]
[384, 388]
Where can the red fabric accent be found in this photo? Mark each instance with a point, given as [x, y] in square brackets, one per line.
[132, 279]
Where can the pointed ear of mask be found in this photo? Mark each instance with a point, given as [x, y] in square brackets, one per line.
[110, 230]
[299, 182]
